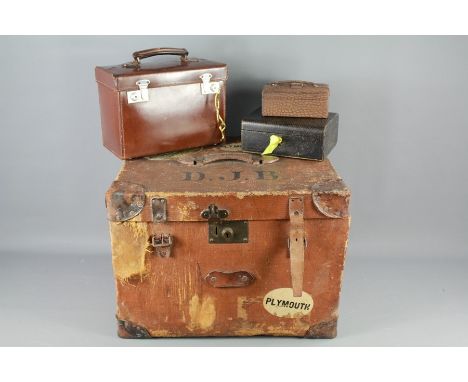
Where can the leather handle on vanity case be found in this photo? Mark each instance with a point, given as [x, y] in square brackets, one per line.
[183, 53]
[140, 54]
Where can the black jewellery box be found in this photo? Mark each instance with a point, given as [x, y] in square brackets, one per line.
[308, 138]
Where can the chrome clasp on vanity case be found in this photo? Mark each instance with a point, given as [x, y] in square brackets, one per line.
[208, 87]
[139, 95]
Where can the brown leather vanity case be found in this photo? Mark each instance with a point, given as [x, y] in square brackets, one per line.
[295, 99]
[219, 242]
[161, 104]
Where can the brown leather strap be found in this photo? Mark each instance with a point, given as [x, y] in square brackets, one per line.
[296, 243]
[183, 53]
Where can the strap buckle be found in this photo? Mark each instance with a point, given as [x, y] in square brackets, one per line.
[162, 244]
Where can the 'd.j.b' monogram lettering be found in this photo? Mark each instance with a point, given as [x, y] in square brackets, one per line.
[198, 176]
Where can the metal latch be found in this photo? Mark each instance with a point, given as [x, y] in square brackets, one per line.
[222, 231]
[159, 208]
[208, 87]
[139, 95]
[162, 244]
[213, 213]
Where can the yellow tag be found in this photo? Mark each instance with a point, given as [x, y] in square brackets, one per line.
[274, 143]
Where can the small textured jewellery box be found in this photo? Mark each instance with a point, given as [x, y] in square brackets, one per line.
[162, 104]
[295, 99]
[309, 138]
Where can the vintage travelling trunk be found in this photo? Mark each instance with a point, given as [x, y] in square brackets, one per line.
[218, 242]
[309, 138]
[295, 99]
[161, 104]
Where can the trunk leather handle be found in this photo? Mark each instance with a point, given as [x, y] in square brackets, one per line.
[296, 243]
[193, 160]
[239, 157]
[229, 279]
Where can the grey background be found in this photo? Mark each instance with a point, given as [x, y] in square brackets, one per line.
[402, 149]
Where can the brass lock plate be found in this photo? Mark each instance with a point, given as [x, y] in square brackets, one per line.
[228, 232]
